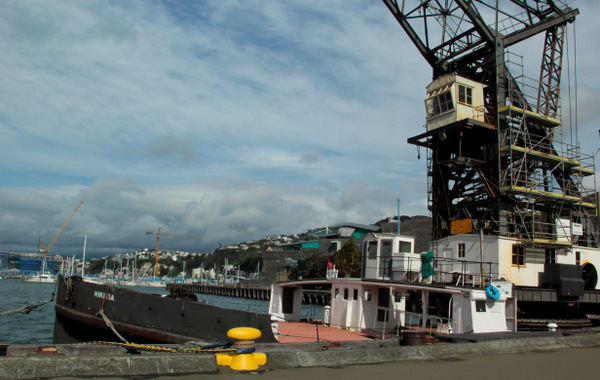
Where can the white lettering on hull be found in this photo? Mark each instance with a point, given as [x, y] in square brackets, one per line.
[107, 296]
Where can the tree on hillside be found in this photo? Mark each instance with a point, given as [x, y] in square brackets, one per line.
[348, 260]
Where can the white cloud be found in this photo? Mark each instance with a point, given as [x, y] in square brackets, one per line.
[231, 120]
[117, 213]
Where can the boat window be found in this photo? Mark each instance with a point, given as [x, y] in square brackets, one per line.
[346, 293]
[386, 248]
[371, 248]
[337, 293]
[397, 296]
[368, 295]
[405, 246]
[550, 255]
[480, 306]
[577, 258]
[355, 294]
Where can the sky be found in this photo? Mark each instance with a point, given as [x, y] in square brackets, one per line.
[228, 120]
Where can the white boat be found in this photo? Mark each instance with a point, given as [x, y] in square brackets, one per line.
[394, 295]
[41, 278]
[45, 277]
[94, 280]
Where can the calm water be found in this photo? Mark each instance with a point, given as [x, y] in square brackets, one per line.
[37, 326]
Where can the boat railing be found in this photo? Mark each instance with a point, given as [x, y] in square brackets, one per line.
[446, 270]
[408, 320]
[463, 272]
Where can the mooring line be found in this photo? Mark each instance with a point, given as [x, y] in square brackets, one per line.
[26, 309]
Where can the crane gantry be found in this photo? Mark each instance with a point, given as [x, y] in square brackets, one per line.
[502, 166]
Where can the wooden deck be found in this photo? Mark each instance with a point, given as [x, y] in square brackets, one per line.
[302, 332]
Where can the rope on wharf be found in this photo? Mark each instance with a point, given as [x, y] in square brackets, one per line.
[209, 349]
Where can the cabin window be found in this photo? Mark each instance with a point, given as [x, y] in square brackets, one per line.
[518, 255]
[461, 250]
[397, 296]
[371, 248]
[577, 258]
[368, 295]
[337, 293]
[480, 306]
[465, 94]
[439, 104]
[346, 294]
[550, 256]
[355, 294]
[386, 248]
[405, 246]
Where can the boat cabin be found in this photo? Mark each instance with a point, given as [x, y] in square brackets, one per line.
[392, 296]
[388, 308]
[388, 256]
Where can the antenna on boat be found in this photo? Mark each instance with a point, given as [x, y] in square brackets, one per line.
[83, 257]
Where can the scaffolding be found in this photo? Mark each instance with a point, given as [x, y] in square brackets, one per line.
[542, 176]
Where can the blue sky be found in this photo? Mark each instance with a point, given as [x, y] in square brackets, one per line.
[233, 120]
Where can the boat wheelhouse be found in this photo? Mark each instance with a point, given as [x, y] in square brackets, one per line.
[395, 293]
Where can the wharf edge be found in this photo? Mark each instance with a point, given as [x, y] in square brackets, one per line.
[25, 362]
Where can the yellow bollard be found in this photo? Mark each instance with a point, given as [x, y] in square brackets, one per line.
[244, 358]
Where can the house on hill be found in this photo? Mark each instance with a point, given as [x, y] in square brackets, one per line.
[278, 259]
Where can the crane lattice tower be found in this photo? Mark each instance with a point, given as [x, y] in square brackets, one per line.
[496, 161]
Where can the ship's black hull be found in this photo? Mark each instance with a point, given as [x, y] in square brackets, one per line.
[143, 317]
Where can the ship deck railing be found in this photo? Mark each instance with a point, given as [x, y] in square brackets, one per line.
[411, 321]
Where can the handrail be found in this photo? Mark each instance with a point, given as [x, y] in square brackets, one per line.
[432, 320]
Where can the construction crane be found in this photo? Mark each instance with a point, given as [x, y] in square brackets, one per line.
[158, 235]
[44, 249]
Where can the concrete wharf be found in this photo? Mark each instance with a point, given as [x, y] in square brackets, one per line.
[31, 361]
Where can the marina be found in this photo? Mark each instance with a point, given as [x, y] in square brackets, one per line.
[325, 350]
[379, 304]
[509, 264]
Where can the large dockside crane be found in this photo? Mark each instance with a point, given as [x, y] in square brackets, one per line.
[501, 166]
[158, 235]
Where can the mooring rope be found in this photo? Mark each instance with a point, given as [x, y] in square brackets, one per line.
[220, 347]
[107, 321]
[26, 309]
[110, 325]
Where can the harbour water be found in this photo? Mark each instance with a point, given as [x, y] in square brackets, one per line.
[37, 326]
[33, 328]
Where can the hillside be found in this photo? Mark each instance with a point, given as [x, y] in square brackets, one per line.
[247, 255]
